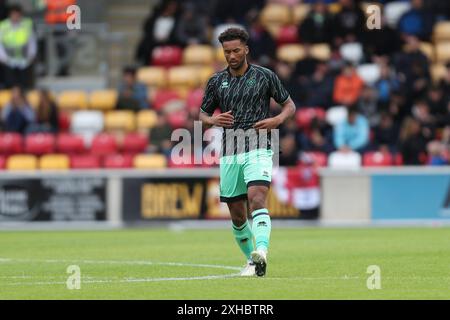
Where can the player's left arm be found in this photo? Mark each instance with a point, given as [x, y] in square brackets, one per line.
[274, 122]
[279, 93]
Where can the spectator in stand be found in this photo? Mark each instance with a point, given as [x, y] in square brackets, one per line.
[288, 147]
[159, 140]
[349, 24]
[386, 134]
[132, 94]
[381, 42]
[445, 139]
[386, 84]
[437, 101]
[413, 67]
[18, 48]
[444, 84]
[437, 153]
[318, 138]
[347, 86]
[263, 46]
[438, 8]
[290, 127]
[421, 112]
[445, 120]
[412, 144]
[417, 21]
[236, 11]
[398, 107]
[317, 26]
[318, 88]
[192, 27]
[368, 105]
[203, 7]
[285, 73]
[306, 66]
[47, 119]
[352, 133]
[17, 115]
[159, 29]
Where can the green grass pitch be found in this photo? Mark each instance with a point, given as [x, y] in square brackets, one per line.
[304, 263]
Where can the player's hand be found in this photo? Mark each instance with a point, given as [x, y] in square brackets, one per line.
[269, 124]
[225, 120]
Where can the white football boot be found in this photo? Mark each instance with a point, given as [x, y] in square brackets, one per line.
[249, 270]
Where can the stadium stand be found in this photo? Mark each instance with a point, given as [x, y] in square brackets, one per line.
[54, 162]
[93, 133]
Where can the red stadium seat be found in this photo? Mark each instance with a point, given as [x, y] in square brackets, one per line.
[87, 161]
[64, 122]
[2, 163]
[316, 158]
[162, 97]
[167, 56]
[70, 143]
[118, 161]
[135, 143]
[40, 143]
[398, 159]
[104, 144]
[287, 34]
[302, 177]
[177, 119]
[377, 159]
[304, 116]
[194, 99]
[11, 143]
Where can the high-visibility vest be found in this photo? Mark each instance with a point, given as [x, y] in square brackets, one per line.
[15, 37]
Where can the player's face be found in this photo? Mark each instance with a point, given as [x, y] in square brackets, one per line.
[235, 53]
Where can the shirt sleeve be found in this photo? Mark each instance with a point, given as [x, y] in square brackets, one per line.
[277, 91]
[210, 101]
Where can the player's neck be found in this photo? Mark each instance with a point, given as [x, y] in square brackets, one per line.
[241, 71]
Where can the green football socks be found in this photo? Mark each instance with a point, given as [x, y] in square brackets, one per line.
[261, 228]
[244, 238]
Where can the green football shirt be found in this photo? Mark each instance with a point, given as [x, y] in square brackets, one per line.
[248, 97]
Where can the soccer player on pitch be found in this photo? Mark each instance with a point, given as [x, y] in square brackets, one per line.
[243, 92]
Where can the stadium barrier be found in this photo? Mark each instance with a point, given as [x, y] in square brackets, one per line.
[385, 194]
[117, 196]
[135, 196]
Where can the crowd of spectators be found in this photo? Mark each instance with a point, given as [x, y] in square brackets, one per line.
[404, 112]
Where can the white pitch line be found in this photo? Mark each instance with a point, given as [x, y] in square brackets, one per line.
[212, 277]
[123, 262]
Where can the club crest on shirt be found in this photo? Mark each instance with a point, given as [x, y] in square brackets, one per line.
[224, 84]
[251, 82]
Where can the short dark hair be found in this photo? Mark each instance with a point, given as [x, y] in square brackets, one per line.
[15, 8]
[132, 70]
[234, 34]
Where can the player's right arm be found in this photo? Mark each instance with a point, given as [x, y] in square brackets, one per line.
[209, 104]
[225, 119]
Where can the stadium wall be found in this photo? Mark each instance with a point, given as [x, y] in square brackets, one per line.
[135, 196]
[385, 194]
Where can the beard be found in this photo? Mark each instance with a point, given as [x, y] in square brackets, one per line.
[238, 65]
